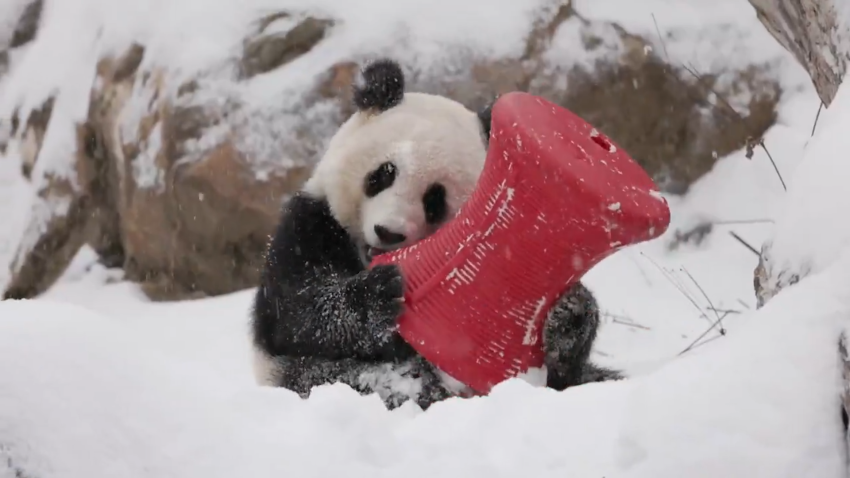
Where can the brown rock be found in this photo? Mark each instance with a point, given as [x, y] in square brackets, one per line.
[207, 231]
[665, 121]
[816, 32]
[35, 269]
[4, 63]
[59, 227]
[89, 214]
[126, 67]
[659, 113]
[203, 227]
[27, 25]
[267, 52]
[33, 135]
[336, 84]
[197, 221]
[769, 280]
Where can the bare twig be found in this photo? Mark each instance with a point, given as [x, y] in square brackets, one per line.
[743, 303]
[660, 38]
[641, 269]
[705, 342]
[751, 142]
[697, 234]
[623, 320]
[678, 286]
[702, 291]
[745, 243]
[817, 116]
[742, 221]
[775, 168]
[630, 324]
[704, 334]
[700, 77]
[727, 311]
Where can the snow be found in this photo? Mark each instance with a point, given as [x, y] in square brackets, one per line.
[144, 166]
[97, 366]
[764, 402]
[106, 383]
[811, 203]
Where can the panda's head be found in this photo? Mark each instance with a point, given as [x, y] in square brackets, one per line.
[402, 165]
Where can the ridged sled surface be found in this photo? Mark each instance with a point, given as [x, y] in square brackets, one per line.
[554, 199]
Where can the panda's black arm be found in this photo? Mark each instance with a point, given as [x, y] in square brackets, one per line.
[315, 298]
[568, 336]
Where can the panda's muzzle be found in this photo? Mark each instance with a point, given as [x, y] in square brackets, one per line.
[371, 252]
[389, 237]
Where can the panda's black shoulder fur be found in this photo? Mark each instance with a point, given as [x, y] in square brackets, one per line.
[315, 296]
[380, 86]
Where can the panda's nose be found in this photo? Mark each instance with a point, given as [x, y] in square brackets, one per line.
[388, 237]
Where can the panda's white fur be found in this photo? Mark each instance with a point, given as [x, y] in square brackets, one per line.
[429, 138]
[320, 315]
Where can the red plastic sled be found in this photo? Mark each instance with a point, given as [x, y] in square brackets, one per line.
[554, 199]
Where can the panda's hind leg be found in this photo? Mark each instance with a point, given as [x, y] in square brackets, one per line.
[394, 382]
[568, 337]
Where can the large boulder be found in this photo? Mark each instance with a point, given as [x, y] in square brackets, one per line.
[179, 180]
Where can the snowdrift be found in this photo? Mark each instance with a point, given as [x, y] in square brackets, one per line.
[85, 397]
[98, 381]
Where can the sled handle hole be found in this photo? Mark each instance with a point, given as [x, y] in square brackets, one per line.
[601, 140]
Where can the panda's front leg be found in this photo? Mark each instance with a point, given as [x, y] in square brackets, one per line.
[348, 317]
[568, 337]
[317, 299]
[394, 382]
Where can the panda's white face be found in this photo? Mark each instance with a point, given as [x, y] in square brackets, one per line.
[394, 177]
[409, 196]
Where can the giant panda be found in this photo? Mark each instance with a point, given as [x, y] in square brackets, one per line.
[393, 174]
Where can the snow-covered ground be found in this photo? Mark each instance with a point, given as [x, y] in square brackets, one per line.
[97, 381]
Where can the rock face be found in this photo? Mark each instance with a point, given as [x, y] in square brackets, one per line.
[23, 33]
[27, 24]
[815, 33]
[179, 182]
[269, 50]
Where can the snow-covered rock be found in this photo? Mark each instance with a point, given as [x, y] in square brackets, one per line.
[165, 135]
[809, 235]
[817, 32]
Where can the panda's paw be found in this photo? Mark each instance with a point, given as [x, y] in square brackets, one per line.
[384, 298]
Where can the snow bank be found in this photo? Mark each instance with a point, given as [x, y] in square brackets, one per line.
[105, 383]
[766, 401]
[104, 395]
[136, 397]
[87, 399]
[812, 229]
[763, 402]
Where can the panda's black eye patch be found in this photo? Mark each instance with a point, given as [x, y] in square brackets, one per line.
[379, 179]
[434, 201]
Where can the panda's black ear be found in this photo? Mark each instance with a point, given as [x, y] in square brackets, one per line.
[380, 86]
[485, 116]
